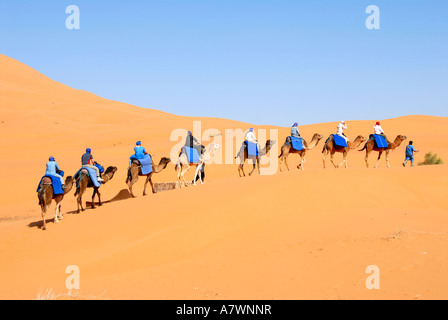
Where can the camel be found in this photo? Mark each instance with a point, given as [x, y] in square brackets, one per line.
[331, 148]
[45, 195]
[287, 149]
[134, 172]
[83, 182]
[242, 154]
[183, 165]
[370, 146]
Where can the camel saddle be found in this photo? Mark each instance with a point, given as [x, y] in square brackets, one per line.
[137, 163]
[46, 180]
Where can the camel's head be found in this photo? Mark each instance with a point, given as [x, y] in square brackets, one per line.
[269, 145]
[68, 180]
[399, 139]
[109, 173]
[214, 146]
[317, 136]
[164, 161]
[360, 139]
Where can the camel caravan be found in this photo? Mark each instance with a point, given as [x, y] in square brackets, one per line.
[52, 186]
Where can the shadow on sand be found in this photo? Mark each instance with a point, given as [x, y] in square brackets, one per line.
[122, 195]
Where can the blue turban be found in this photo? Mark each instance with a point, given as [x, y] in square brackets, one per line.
[88, 150]
[189, 133]
[251, 129]
[295, 124]
[139, 143]
[52, 159]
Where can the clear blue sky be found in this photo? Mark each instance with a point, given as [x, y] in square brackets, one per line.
[258, 61]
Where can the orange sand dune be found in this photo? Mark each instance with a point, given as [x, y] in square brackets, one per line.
[292, 235]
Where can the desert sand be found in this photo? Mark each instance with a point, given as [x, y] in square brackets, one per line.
[294, 235]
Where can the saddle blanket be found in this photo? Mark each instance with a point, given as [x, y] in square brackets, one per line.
[296, 143]
[252, 149]
[339, 141]
[146, 164]
[92, 174]
[192, 154]
[380, 141]
[56, 183]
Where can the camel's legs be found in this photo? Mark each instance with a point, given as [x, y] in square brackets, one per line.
[379, 157]
[387, 158]
[200, 176]
[131, 182]
[99, 197]
[331, 159]
[302, 161]
[178, 175]
[80, 200]
[196, 174]
[144, 187]
[185, 181]
[367, 158]
[77, 202]
[344, 160]
[283, 158]
[198, 168]
[241, 169]
[324, 158]
[286, 163]
[93, 197]
[182, 175]
[61, 217]
[44, 211]
[253, 169]
[57, 213]
[150, 182]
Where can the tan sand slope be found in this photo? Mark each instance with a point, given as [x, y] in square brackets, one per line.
[292, 235]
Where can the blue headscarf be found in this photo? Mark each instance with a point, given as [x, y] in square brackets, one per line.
[88, 150]
[52, 159]
[139, 143]
[189, 133]
[251, 129]
[295, 124]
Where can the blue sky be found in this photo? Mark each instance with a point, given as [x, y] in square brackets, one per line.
[259, 61]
